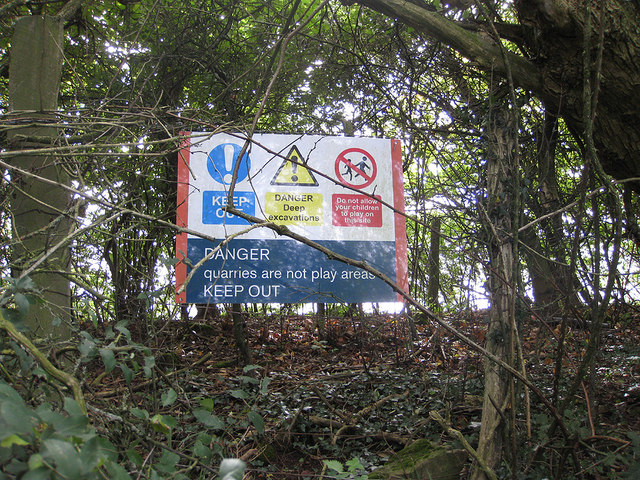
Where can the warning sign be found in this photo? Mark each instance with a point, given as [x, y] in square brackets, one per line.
[356, 168]
[293, 208]
[326, 189]
[356, 211]
[293, 171]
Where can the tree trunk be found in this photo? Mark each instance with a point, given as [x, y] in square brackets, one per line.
[433, 263]
[500, 133]
[240, 334]
[551, 277]
[41, 216]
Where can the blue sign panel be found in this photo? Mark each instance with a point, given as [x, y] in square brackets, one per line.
[286, 271]
[214, 201]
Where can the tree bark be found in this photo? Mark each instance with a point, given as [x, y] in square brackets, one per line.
[41, 215]
[433, 264]
[500, 132]
[240, 334]
[552, 33]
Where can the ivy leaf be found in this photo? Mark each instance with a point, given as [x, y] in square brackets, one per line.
[116, 472]
[257, 421]
[64, 455]
[108, 358]
[127, 373]
[168, 397]
[240, 394]
[22, 302]
[208, 419]
[167, 462]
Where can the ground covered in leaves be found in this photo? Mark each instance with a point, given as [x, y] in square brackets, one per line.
[358, 395]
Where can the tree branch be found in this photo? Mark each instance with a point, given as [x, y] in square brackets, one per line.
[472, 46]
[67, 12]
[69, 380]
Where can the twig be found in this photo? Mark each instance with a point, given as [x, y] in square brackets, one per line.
[458, 435]
[141, 385]
[69, 380]
[589, 414]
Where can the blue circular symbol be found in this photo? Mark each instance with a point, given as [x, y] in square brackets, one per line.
[222, 160]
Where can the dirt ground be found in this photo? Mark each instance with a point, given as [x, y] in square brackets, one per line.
[366, 389]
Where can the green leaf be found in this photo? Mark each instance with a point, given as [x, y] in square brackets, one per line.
[241, 394]
[22, 302]
[163, 423]
[134, 457]
[18, 418]
[257, 421]
[25, 283]
[122, 328]
[87, 349]
[264, 385]
[63, 425]
[354, 465]
[139, 413]
[116, 472]
[248, 368]
[208, 419]
[72, 408]
[149, 363]
[11, 440]
[108, 358]
[334, 465]
[35, 461]
[167, 462]
[127, 373]
[207, 403]
[64, 455]
[168, 397]
[40, 473]
[7, 392]
[202, 451]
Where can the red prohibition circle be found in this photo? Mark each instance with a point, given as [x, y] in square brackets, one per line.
[356, 170]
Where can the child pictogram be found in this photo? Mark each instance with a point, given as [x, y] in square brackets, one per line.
[356, 168]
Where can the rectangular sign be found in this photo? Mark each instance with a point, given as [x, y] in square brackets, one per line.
[336, 191]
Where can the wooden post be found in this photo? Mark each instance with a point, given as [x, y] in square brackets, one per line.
[40, 210]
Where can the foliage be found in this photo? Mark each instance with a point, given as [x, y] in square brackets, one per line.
[43, 443]
[351, 469]
[136, 74]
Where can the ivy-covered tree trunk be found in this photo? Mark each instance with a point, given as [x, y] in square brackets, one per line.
[500, 134]
[40, 208]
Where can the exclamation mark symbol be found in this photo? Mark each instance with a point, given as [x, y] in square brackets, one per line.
[294, 170]
[229, 158]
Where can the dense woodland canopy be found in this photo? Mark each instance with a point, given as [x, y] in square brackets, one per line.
[522, 178]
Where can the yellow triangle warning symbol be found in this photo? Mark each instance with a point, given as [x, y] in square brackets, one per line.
[293, 171]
